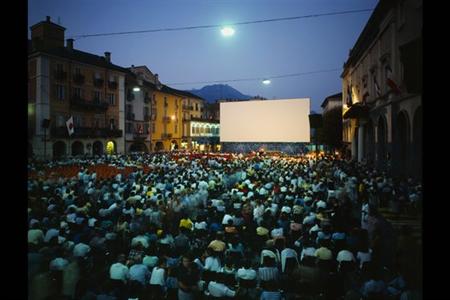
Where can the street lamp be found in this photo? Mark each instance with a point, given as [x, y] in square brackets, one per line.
[136, 89]
[266, 81]
[173, 118]
[227, 31]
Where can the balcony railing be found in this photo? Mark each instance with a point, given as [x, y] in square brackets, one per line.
[130, 117]
[140, 135]
[60, 75]
[89, 105]
[112, 85]
[78, 79]
[98, 82]
[166, 135]
[85, 132]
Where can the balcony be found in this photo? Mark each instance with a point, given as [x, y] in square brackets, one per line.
[188, 107]
[130, 117]
[166, 135]
[78, 79]
[85, 132]
[140, 135]
[60, 75]
[96, 105]
[112, 85]
[130, 97]
[98, 82]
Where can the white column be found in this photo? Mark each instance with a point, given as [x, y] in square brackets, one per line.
[360, 142]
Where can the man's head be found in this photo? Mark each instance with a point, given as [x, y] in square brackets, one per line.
[187, 260]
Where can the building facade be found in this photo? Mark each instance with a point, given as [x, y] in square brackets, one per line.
[331, 134]
[64, 82]
[138, 111]
[382, 90]
[167, 130]
[203, 135]
[331, 102]
[193, 109]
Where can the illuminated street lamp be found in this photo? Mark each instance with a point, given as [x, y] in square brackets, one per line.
[266, 81]
[227, 31]
[173, 118]
[136, 89]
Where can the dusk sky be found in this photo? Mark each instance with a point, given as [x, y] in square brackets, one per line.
[255, 50]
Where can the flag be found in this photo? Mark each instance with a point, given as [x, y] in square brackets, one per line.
[69, 124]
[390, 82]
[377, 87]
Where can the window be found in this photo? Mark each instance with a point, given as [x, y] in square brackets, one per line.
[97, 75]
[112, 124]
[99, 120]
[129, 127]
[129, 108]
[77, 92]
[146, 128]
[176, 127]
[196, 106]
[146, 114]
[77, 120]
[112, 99]
[59, 92]
[165, 102]
[60, 122]
[77, 71]
[96, 96]
[153, 127]
[59, 68]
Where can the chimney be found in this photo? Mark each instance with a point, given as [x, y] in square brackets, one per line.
[69, 44]
[108, 56]
[47, 19]
[156, 78]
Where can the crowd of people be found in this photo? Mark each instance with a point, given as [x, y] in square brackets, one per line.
[188, 226]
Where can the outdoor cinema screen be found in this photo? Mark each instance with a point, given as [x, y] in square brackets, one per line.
[278, 121]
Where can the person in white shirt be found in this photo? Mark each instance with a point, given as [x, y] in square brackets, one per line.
[118, 270]
[81, 250]
[246, 272]
[158, 279]
[35, 235]
[218, 289]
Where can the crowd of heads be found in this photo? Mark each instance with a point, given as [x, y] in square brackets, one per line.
[250, 226]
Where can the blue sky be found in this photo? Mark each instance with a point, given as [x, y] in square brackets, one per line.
[256, 50]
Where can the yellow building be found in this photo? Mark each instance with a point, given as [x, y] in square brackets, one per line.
[167, 129]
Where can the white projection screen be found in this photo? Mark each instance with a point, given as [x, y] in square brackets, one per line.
[281, 121]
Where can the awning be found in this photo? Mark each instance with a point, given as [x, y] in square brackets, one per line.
[357, 111]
